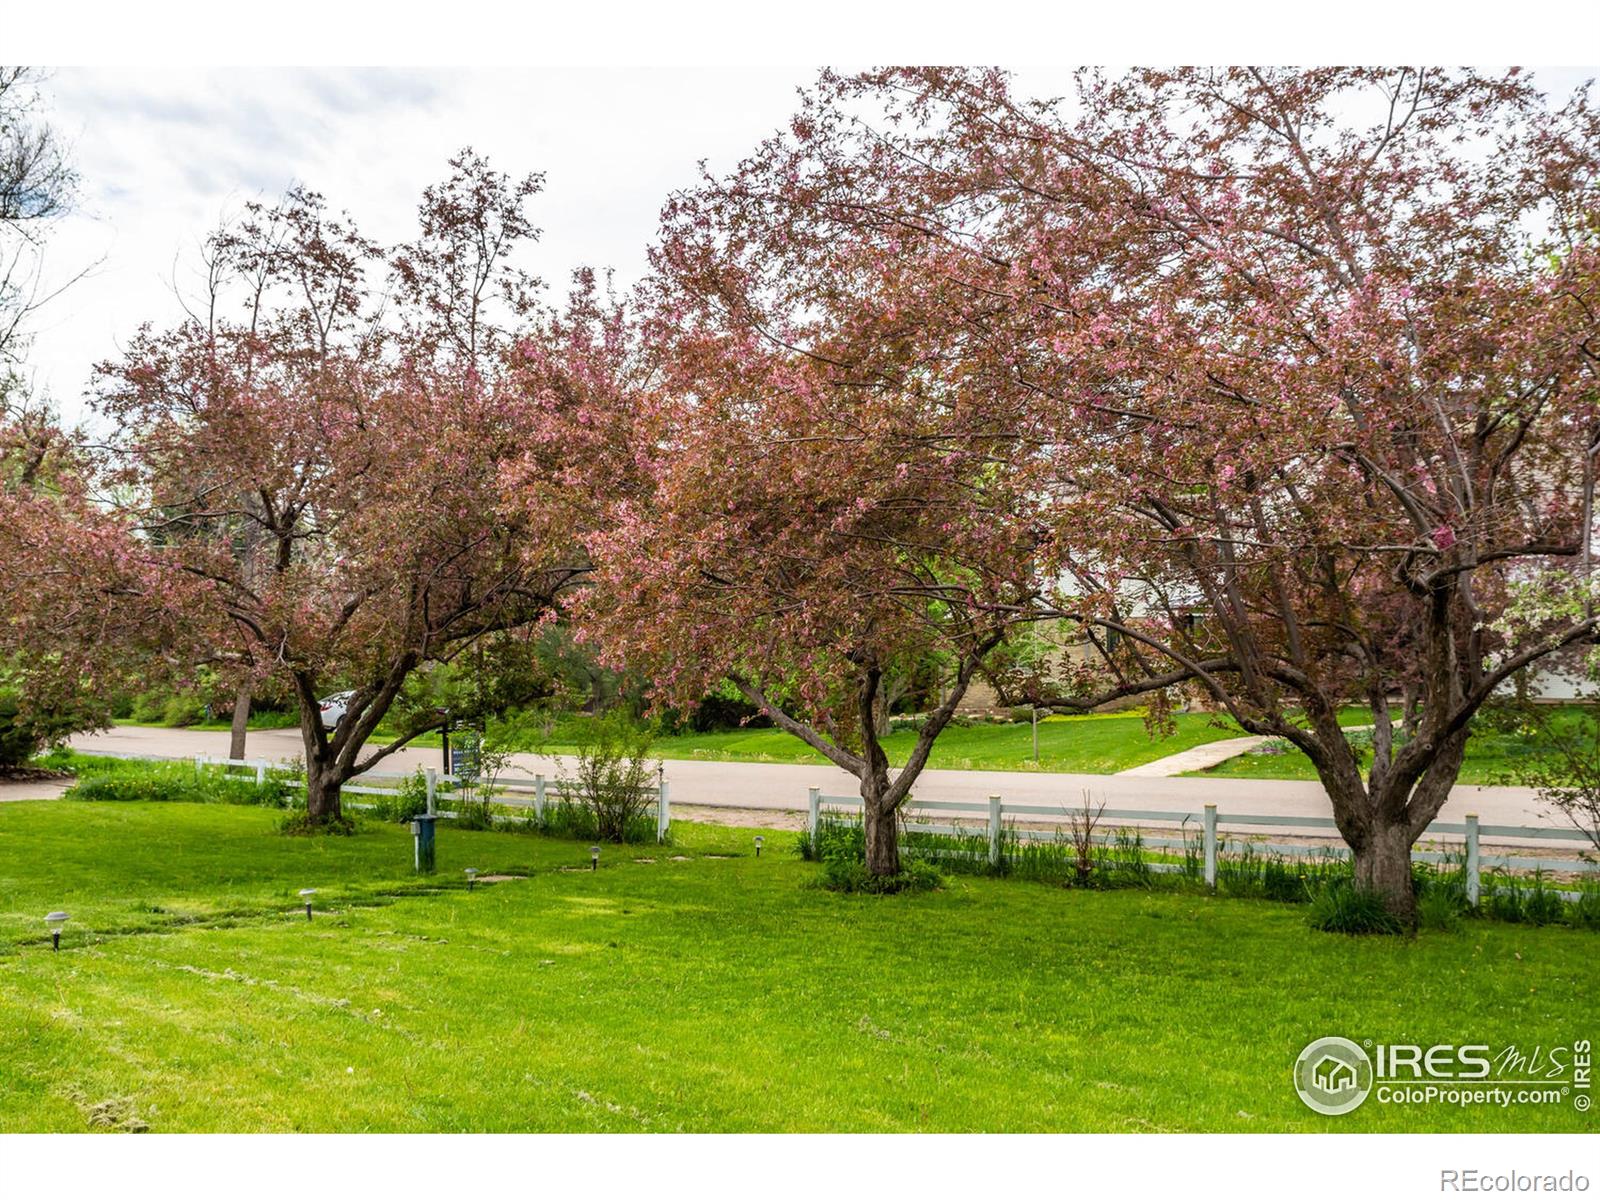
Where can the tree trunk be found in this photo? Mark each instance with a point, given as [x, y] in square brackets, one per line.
[877, 812]
[322, 796]
[241, 721]
[323, 779]
[1375, 828]
[1383, 865]
[883, 834]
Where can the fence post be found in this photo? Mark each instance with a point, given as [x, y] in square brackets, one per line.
[199, 764]
[261, 773]
[1211, 845]
[663, 813]
[432, 777]
[538, 796]
[1472, 859]
[814, 813]
[994, 831]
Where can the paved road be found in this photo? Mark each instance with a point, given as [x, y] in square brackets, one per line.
[782, 786]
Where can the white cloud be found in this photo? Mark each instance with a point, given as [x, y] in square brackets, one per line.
[165, 155]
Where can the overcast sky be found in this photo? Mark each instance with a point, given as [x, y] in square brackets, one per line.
[164, 155]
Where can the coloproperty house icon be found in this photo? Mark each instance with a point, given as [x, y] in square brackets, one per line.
[1333, 1075]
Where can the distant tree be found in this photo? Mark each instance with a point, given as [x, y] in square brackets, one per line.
[37, 184]
[327, 459]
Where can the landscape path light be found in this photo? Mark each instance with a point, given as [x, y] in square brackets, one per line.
[55, 921]
[760, 841]
[472, 877]
[594, 858]
[306, 894]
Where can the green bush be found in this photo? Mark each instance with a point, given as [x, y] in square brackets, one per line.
[18, 742]
[565, 818]
[185, 708]
[297, 823]
[412, 798]
[613, 776]
[841, 838]
[849, 875]
[116, 780]
[22, 736]
[147, 707]
[1342, 907]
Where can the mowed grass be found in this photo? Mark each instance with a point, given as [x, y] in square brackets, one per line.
[1494, 756]
[711, 993]
[1099, 743]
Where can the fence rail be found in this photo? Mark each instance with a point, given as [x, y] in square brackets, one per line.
[538, 790]
[1211, 823]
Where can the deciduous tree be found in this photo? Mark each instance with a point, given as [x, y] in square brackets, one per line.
[326, 457]
[842, 478]
[1318, 351]
[80, 615]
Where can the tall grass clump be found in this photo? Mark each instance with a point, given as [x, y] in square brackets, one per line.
[1342, 907]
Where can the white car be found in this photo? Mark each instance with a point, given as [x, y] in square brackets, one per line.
[333, 708]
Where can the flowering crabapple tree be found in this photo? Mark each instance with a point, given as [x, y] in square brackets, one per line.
[1317, 349]
[837, 482]
[320, 448]
[82, 614]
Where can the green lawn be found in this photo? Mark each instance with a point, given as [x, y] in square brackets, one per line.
[259, 720]
[1099, 743]
[1493, 757]
[713, 993]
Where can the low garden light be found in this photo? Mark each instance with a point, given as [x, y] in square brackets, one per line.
[55, 921]
[760, 841]
[472, 877]
[306, 894]
[594, 858]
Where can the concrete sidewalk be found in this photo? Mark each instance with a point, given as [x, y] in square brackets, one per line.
[33, 789]
[1196, 758]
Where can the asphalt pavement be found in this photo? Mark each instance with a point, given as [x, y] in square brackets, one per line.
[783, 786]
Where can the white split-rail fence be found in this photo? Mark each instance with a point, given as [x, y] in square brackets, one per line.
[1468, 833]
[522, 791]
